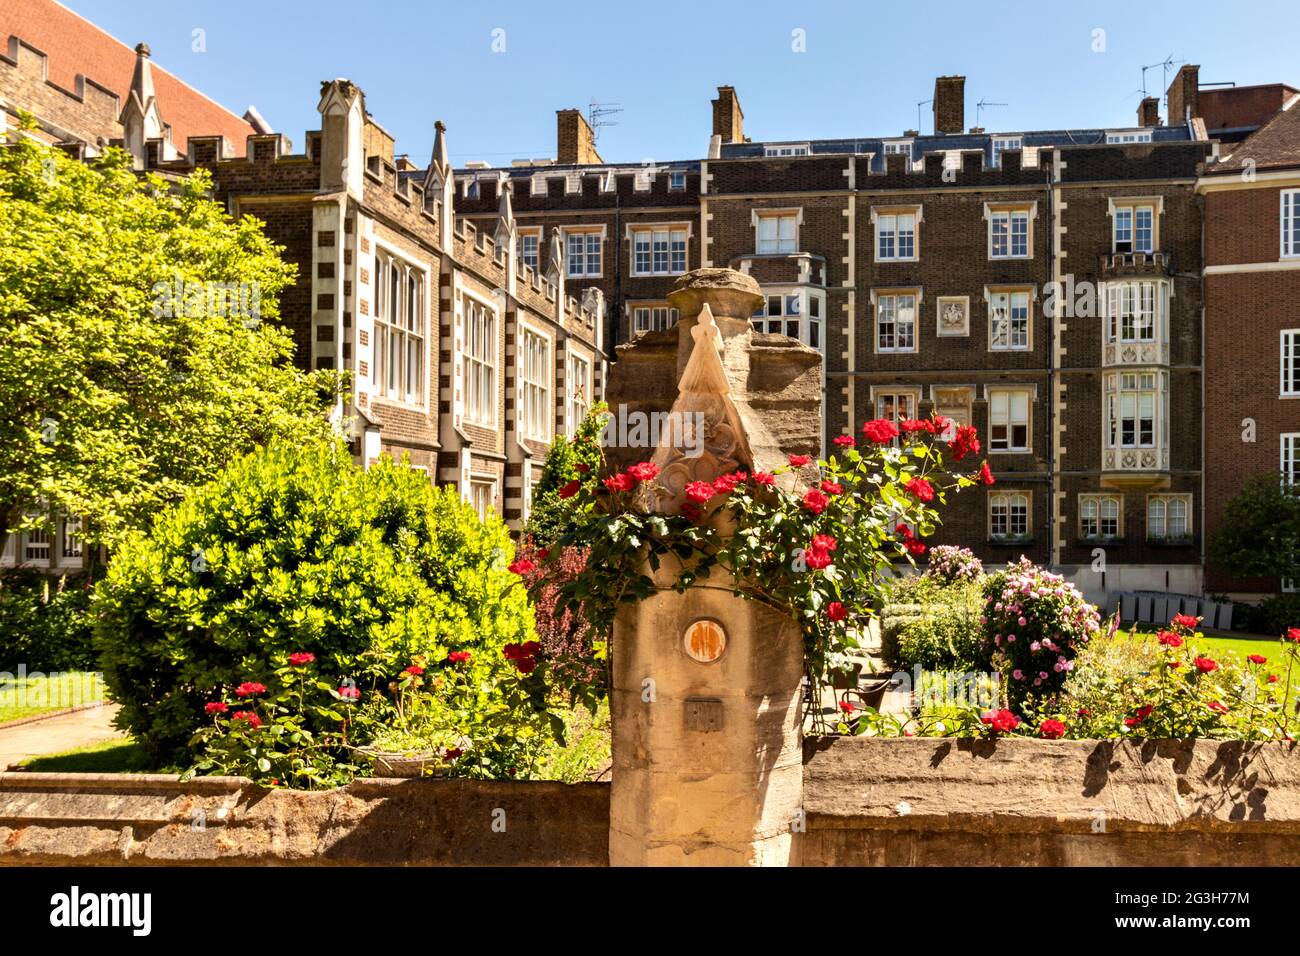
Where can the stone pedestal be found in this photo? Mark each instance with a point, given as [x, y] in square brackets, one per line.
[708, 763]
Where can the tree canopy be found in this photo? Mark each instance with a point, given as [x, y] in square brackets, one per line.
[1260, 532]
[139, 344]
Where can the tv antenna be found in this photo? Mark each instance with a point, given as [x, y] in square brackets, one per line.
[918, 113]
[1167, 64]
[598, 116]
[980, 107]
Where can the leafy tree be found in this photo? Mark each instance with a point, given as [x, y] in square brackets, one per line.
[115, 394]
[1260, 532]
[579, 460]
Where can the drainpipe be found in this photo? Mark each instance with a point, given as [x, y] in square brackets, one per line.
[1052, 374]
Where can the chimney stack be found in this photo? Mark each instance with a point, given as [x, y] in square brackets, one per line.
[1149, 112]
[728, 118]
[575, 141]
[1182, 94]
[949, 104]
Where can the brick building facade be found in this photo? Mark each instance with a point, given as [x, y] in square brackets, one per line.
[1056, 288]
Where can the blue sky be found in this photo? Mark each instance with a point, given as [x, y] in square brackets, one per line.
[864, 67]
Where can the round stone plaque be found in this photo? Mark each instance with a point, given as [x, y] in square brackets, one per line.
[705, 640]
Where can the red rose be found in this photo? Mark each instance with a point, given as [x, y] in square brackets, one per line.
[571, 489]
[1051, 729]
[916, 546]
[459, 657]
[985, 476]
[832, 488]
[1169, 639]
[699, 491]
[921, 488]
[1272, 678]
[1293, 634]
[726, 484]
[1257, 659]
[301, 658]
[526, 665]
[825, 542]
[522, 566]
[965, 442]
[250, 688]
[1185, 620]
[848, 706]
[799, 461]
[1218, 707]
[764, 478]
[215, 707]
[691, 510]
[1205, 665]
[817, 558]
[880, 430]
[815, 501]
[451, 754]
[1002, 722]
[910, 425]
[582, 468]
[350, 692]
[249, 718]
[904, 530]
[620, 482]
[844, 441]
[835, 611]
[415, 670]
[644, 471]
[938, 423]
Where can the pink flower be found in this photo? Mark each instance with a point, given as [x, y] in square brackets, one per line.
[350, 692]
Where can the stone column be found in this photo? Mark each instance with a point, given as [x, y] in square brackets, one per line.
[707, 687]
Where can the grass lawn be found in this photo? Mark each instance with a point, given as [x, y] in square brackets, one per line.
[1238, 645]
[37, 694]
[110, 756]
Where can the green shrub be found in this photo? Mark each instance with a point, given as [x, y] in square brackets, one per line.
[933, 624]
[45, 621]
[1274, 615]
[296, 550]
[578, 459]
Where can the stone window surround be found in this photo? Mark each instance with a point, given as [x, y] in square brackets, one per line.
[630, 238]
[989, 292]
[897, 209]
[1032, 391]
[1009, 495]
[1166, 498]
[565, 232]
[1157, 204]
[992, 209]
[756, 214]
[480, 480]
[1099, 498]
[874, 295]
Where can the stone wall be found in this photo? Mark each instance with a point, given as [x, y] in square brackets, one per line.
[909, 802]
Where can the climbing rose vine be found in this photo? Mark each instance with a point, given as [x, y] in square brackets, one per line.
[819, 553]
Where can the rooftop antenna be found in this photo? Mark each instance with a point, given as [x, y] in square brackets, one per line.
[1167, 64]
[918, 113]
[598, 116]
[980, 107]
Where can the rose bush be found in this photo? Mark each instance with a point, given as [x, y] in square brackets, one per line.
[950, 563]
[820, 554]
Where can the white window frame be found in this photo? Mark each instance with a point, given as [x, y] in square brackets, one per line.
[780, 244]
[1289, 223]
[653, 317]
[786, 149]
[1128, 304]
[1002, 244]
[1129, 135]
[1006, 445]
[676, 180]
[1289, 356]
[1006, 502]
[37, 546]
[400, 329]
[899, 147]
[1289, 466]
[659, 249]
[891, 304]
[1008, 299]
[1003, 143]
[1163, 504]
[536, 420]
[535, 234]
[579, 265]
[480, 361]
[889, 228]
[787, 310]
[1117, 413]
[1125, 214]
[577, 388]
[1100, 507]
[71, 543]
[896, 405]
[482, 494]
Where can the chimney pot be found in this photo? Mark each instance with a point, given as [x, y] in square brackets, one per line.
[1149, 112]
[1182, 94]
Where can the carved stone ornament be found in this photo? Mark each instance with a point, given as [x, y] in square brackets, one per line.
[703, 402]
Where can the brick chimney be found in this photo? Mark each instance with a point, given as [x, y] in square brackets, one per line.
[1149, 112]
[575, 143]
[728, 118]
[949, 104]
[1182, 94]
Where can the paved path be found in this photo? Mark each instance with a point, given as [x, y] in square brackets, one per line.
[56, 734]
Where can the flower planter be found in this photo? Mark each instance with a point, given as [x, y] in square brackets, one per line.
[844, 679]
[389, 763]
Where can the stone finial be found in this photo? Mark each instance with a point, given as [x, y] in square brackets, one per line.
[704, 438]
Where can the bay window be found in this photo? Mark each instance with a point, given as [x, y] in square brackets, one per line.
[1131, 411]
